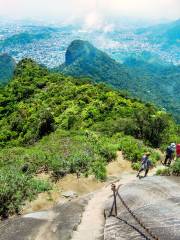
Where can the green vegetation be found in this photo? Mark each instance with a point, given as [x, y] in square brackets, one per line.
[15, 188]
[58, 124]
[36, 103]
[152, 82]
[163, 172]
[174, 169]
[134, 149]
[157, 83]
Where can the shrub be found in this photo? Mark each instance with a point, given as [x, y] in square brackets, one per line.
[152, 126]
[172, 170]
[155, 156]
[176, 167]
[15, 188]
[46, 124]
[108, 151]
[99, 170]
[163, 172]
[79, 162]
[136, 166]
[40, 186]
[134, 149]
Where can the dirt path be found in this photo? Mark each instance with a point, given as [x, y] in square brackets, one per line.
[79, 219]
[92, 222]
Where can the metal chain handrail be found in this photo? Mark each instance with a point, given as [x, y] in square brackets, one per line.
[116, 193]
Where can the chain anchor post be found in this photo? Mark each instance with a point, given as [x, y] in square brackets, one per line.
[113, 188]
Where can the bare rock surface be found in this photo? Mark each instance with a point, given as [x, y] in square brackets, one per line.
[57, 223]
[156, 203]
[69, 194]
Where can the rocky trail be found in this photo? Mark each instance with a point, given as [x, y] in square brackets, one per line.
[92, 222]
[82, 218]
[75, 218]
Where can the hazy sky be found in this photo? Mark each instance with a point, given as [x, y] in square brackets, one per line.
[92, 12]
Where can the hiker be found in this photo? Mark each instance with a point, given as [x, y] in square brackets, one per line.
[169, 154]
[146, 164]
[177, 151]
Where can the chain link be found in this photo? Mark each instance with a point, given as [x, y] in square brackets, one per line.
[153, 236]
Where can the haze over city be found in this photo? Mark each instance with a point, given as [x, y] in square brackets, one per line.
[91, 12]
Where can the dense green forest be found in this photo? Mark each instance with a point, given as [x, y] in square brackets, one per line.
[151, 82]
[60, 124]
[36, 102]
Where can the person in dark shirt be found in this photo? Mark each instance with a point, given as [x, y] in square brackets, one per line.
[145, 164]
[169, 154]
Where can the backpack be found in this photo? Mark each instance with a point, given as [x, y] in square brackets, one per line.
[169, 151]
[178, 150]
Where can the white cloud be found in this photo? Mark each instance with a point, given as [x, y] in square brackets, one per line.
[104, 42]
[95, 21]
[143, 8]
[92, 11]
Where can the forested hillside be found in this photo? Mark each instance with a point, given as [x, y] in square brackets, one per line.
[7, 67]
[155, 83]
[58, 124]
[167, 35]
[158, 83]
[83, 59]
[36, 102]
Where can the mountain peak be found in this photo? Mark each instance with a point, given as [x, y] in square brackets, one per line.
[85, 60]
[79, 49]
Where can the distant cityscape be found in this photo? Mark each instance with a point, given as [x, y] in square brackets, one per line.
[50, 51]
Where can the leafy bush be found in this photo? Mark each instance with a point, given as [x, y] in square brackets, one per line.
[108, 151]
[152, 127]
[175, 168]
[15, 188]
[40, 186]
[80, 162]
[134, 149]
[163, 172]
[99, 170]
[136, 166]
